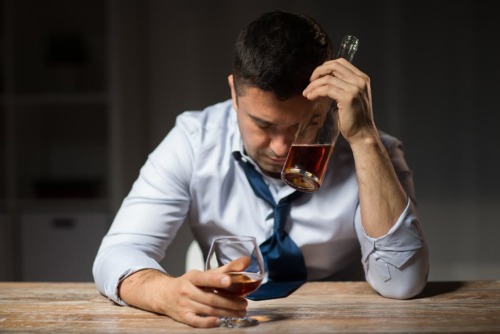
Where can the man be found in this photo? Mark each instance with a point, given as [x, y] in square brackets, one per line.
[363, 212]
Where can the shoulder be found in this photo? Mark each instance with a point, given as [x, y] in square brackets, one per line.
[197, 139]
[196, 129]
[210, 130]
[214, 117]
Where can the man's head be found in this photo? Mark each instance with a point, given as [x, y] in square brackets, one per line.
[278, 52]
[274, 58]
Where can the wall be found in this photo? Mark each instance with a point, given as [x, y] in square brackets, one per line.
[434, 69]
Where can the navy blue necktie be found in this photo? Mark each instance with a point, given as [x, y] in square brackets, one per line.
[282, 257]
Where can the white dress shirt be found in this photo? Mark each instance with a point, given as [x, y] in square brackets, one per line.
[193, 178]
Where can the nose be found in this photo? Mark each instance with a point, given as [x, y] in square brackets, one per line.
[280, 144]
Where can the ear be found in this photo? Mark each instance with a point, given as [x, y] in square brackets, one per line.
[230, 81]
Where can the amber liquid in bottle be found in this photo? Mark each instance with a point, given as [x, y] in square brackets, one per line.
[306, 165]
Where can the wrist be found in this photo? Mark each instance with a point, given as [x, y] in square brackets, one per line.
[367, 140]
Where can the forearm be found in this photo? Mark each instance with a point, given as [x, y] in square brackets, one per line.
[382, 198]
[142, 288]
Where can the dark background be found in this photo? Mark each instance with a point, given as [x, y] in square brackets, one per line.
[434, 72]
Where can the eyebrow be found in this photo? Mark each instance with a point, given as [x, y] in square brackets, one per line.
[259, 120]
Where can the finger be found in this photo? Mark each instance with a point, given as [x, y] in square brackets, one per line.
[339, 79]
[348, 65]
[219, 297]
[332, 67]
[327, 86]
[207, 283]
[340, 63]
[214, 305]
[196, 304]
[221, 305]
[195, 320]
[340, 68]
[210, 316]
[327, 80]
[326, 68]
[337, 86]
[239, 264]
[209, 278]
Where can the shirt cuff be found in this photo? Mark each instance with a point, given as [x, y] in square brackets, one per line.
[395, 248]
[126, 261]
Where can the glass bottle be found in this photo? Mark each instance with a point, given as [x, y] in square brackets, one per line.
[308, 157]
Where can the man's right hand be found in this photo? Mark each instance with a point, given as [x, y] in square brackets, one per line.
[190, 298]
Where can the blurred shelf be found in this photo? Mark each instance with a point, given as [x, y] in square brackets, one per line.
[62, 205]
[57, 99]
[55, 128]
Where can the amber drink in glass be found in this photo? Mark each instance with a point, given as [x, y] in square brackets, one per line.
[227, 249]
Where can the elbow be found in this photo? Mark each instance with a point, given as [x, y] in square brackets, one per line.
[406, 282]
[401, 291]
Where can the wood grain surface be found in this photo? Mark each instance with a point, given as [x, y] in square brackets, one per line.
[319, 307]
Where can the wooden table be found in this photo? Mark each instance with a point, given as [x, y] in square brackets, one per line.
[323, 307]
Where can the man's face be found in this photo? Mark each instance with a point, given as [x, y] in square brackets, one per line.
[267, 125]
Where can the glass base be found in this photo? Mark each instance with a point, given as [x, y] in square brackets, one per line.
[238, 322]
[300, 179]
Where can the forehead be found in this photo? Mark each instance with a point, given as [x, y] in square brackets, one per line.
[264, 106]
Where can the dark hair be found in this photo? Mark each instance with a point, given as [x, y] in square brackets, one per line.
[277, 52]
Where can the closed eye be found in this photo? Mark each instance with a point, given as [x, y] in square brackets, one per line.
[263, 125]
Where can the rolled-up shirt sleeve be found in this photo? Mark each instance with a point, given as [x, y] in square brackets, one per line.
[148, 218]
[126, 261]
[397, 264]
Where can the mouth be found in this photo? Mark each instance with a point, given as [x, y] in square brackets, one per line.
[273, 166]
[277, 161]
[273, 157]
